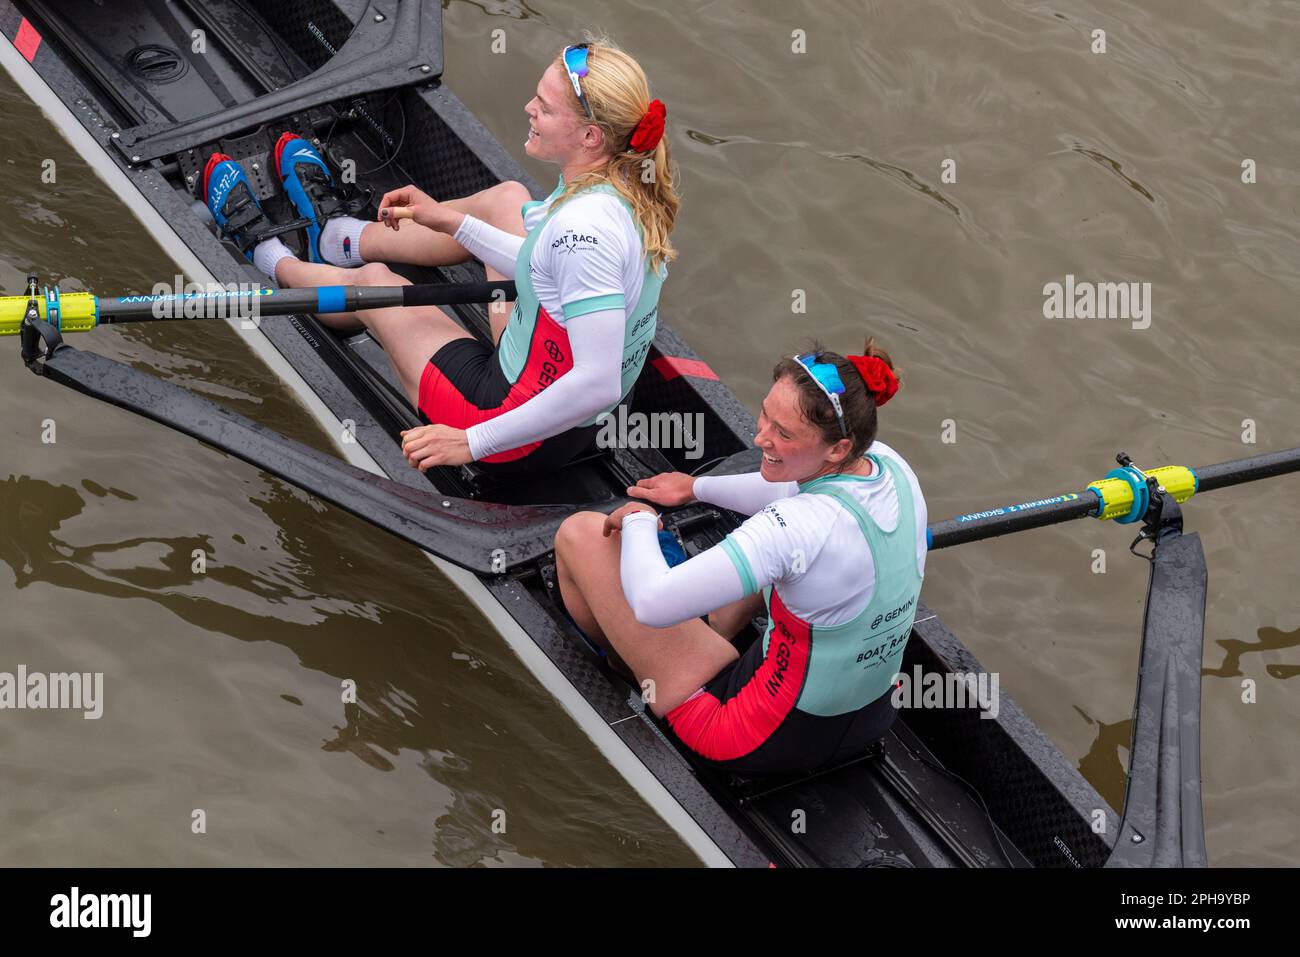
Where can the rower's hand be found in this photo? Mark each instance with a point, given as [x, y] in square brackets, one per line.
[666, 488]
[424, 209]
[614, 520]
[431, 445]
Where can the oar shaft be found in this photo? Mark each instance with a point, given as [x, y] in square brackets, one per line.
[1055, 509]
[288, 302]
[80, 312]
[1011, 518]
[1247, 470]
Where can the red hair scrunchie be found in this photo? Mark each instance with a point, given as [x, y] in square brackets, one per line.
[650, 130]
[880, 379]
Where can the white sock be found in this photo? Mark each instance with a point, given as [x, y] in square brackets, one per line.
[340, 241]
[267, 255]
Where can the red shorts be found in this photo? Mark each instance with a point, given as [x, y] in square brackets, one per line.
[463, 385]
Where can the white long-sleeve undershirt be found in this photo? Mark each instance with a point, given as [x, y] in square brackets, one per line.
[745, 493]
[808, 544]
[492, 247]
[661, 596]
[612, 268]
[593, 383]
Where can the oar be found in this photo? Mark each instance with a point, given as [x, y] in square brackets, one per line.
[1161, 821]
[1123, 495]
[480, 536]
[83, 311]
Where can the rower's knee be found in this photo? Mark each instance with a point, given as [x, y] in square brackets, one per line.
[507, 203]
[575, 533]
[378, 274]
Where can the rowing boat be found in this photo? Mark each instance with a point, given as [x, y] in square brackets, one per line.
[947, 787]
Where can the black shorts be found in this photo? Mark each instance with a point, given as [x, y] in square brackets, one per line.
[463, 385]
[801, 743]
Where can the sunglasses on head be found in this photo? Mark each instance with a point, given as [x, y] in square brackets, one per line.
[828, 380]
[575, 62]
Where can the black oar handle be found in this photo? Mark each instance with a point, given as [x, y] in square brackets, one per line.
[444, 295]
[1247, 470]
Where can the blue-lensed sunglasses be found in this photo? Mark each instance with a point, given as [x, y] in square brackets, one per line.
[828, 379]
[575, 62]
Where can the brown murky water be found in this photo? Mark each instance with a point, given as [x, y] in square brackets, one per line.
[921, 172]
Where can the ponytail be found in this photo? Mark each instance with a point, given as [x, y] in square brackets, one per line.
[619, 95]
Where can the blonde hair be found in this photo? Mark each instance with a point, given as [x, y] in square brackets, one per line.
[619, 94]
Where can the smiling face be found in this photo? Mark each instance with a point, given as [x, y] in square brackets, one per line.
[557, 131]
[793, 447]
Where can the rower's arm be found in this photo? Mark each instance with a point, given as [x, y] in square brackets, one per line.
[746, 494]
[592, 301]
[492, 247]
[593, 384]
[661, 596]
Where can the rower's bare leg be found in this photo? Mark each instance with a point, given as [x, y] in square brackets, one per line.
[410, 335]
[421, 246]
[678, 661]
[499, 205]
[574, 601]
[730, 619]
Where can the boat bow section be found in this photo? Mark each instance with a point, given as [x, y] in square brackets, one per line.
[157, 80]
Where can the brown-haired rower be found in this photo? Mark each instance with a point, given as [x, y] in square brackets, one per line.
[835, 550]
